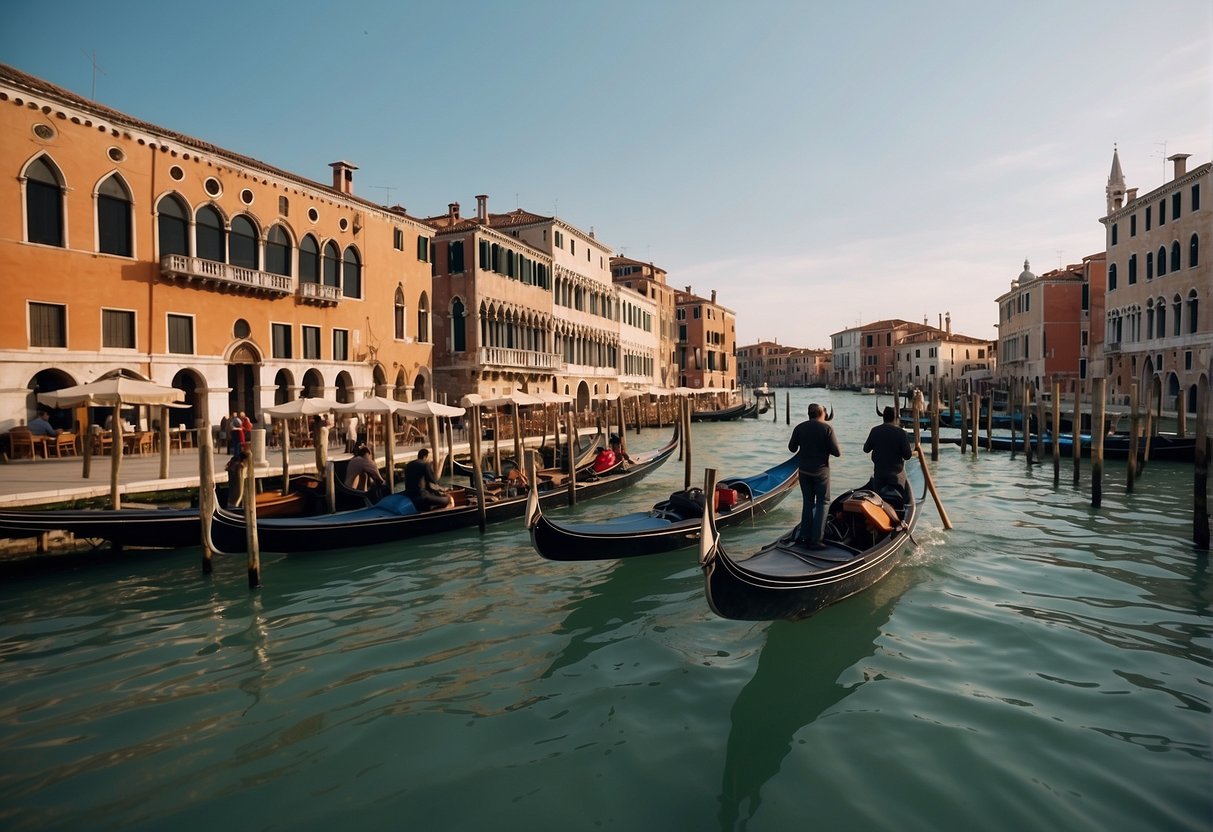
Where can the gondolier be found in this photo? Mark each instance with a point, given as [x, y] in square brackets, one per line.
[814, 442]
[890, 448]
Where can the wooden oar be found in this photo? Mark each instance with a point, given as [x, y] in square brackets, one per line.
[926, 473]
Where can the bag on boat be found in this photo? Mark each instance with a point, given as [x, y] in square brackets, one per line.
[688, 503]
[877, 515]
[726, 497]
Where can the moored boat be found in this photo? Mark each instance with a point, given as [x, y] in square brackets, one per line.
[394, 518]
[673, 523]
[867, 535]
[725, 414]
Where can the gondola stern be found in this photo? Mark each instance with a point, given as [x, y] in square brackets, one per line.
[709, 537]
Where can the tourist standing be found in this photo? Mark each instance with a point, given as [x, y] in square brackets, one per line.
[814, 443]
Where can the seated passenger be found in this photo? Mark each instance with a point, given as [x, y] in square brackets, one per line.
[421, 484]
[617, 448]
[604, 461]
[362, 472]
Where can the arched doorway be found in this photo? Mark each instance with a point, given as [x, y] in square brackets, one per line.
[242, 364]
[345, 387]
[419, 389]
[583, 397]
[188, 382]
[401, 393]
[46, 381]
[313, 385]
[283, 382]
[379, 379]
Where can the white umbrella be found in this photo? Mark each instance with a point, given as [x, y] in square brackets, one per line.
[517, 398]
[114, 391]
[425, 408]
[549, 397]
[301, 407]
[379, 404]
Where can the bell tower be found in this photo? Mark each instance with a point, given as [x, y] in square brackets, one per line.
[1116, 183]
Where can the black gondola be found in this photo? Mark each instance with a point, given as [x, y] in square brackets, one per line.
[586, 448]
[1163, 447]
[151, 527]
[394, 518]
[671, 524]
[866, 536]
[725, 414]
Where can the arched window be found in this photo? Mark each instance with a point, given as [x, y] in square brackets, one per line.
[309, 260]
[1149, 319]
[173, 225]
[1193, 311]
[212, 237]
[44, 203]
[423, 319]
[1194, 252]
[459, 339]
[243, 245]
[114, 229]
[1149, 265]
[278, 251]
[1177, 310]
[399, 313]
[1112, 276]
[1175, 256]
[1162, 260]
[351, 274]
[332, 265]
[1161, 329]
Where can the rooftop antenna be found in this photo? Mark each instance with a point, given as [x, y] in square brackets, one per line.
[387, 192]
[92, 59]
[1163, 156]
[1061, 264]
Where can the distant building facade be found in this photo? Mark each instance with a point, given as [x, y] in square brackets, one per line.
[132, 248]
[707, 334]
[769, 363]
[650, 281]
[1159, 280]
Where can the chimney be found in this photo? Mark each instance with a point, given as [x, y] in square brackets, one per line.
[482, 207]
[948, 321]
[1181, 163]
[452, 212]
[1132, 195]
[343, 176]
[713, 296]
[688, 290]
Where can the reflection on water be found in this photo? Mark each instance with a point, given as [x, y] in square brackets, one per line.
[1052, 659]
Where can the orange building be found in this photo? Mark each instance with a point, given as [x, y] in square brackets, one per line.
[707, 342]
[126, 246]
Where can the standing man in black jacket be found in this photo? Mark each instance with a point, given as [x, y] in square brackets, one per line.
[890, 448]
[814, 443]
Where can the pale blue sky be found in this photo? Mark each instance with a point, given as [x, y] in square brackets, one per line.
[819, 165]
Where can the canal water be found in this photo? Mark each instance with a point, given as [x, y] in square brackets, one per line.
[1041, 666]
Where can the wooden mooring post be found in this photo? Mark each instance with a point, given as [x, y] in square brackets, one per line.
[206, 494]
[250, 523]
[1056, 427]
[1099, 388]
[934, 422]
[1134, 425]
[1076, 431]
[1200, 490]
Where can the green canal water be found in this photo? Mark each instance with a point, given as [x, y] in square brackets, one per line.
[1041, 666]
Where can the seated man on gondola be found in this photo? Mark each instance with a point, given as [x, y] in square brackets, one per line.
[362, 474]
[421, 484]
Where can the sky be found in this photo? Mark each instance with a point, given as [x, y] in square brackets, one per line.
[818, 165]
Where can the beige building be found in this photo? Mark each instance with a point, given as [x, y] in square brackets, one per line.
[128, 247]
[524, 302]
[650, 281]
[1159, 281]
[707, 339]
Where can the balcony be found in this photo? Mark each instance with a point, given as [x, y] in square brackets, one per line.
[319, 293]
[514, 359]
[1111, 347]
[210, 274]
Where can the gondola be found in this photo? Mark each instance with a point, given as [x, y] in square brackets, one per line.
[394, 518]
[1163, 447]
[866, 536]
[587, 447]
[150, 527]
[725, 414]
[673, 523]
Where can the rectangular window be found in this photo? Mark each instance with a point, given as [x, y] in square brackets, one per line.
[572, 246]
[341, 345]
[280, 339]
[47, 325]
[1175, 205]
[284, 206]
[1162, 212]
[118, 329]
[559, 239]
[455, 257]
[1133, 226]
[311, 342]
[1195, 206]
[1149, 214]
[181, 334]
[423, 249]
[398, 239]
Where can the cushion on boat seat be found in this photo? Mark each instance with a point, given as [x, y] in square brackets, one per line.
[397, 504]
[876, 513]
[688, 503]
